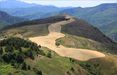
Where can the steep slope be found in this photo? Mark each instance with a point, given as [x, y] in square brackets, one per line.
[83, 29]
[7, 19]
[99, 16]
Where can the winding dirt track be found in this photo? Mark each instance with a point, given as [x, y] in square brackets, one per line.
[55, 33]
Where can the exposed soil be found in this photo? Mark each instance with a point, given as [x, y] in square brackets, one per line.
[55, 33]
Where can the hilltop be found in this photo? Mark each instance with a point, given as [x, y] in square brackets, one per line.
[79, 28]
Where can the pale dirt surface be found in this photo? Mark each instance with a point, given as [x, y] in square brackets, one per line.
[55, 33]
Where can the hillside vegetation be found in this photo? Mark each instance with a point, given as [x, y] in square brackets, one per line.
[84, 30]
[22, 57]
[81, 42]
[13, 52]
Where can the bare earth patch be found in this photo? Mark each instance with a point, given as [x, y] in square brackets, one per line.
[55, 33]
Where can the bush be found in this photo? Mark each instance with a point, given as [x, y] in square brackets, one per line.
[57, 44]
[38, 72]
[49, 55]
[24, 66]
[92, 68]
[14, 51]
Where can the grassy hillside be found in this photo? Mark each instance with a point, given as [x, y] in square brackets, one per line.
[42, 61]
[22, 57]
[31, 28]
[27, 31]
[56, 65]
[84, 30]
[13, 52]
[81, 42]
[101, 66]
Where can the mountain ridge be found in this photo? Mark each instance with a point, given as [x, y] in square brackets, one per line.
[78, 28]
[9, 20]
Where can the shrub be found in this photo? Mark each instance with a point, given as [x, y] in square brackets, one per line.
[57, 44]
[49, 55]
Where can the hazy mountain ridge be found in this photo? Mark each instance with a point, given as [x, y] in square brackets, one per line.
[110, 30]
[96, 15]
[7, 19]
[27, 10]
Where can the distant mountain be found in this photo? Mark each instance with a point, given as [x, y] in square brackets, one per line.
[34, 12]
[27, 10]
[98, 15]
[6, 19]
[110, 30]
